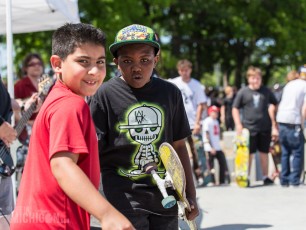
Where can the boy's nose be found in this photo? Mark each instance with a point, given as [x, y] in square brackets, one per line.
[136, 68]
[94, 70]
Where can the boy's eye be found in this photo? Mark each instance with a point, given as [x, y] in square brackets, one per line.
[83, 61]
[101, 62]
[126, 61]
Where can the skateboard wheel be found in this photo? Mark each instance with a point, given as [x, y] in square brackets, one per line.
[169, 202]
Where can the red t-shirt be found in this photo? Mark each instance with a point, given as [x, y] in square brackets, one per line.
[63, 124]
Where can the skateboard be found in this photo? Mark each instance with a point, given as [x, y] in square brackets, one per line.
[242, 158]
[176, 175]
[206, 173]
[275, 151]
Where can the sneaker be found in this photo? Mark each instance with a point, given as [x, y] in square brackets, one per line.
[200, 181]
[268, 181]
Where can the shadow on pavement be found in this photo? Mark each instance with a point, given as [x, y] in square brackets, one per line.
[238, 226]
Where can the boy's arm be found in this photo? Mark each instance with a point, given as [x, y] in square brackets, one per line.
[272, 111]
[180, 148]
[236, 118]
[79, 188]
[197, 126]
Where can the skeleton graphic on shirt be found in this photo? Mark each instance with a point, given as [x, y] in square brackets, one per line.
[144, 125]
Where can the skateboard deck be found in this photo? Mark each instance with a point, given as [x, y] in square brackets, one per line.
[176, 173]
[242, 158]
[206, 173]
[275, 151]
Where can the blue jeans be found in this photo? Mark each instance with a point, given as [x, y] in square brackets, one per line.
[292, 144]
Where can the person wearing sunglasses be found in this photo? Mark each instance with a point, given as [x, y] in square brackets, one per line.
[32, 68]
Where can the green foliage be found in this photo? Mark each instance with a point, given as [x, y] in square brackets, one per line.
[231, 33]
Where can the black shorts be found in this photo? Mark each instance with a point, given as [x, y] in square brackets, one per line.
[261, 142]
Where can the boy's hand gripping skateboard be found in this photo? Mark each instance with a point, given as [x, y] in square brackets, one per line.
[242, 158]
[175, 178]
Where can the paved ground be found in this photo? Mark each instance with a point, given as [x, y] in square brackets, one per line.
[254, 208]
[258, 207]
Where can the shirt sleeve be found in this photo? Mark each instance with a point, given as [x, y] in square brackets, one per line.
[68, 124]
[238, 100]
[272, 98]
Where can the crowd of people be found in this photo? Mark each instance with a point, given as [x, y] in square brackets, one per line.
[115, 128]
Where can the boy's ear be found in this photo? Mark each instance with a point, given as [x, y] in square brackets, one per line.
[156, 59]
[56, 63]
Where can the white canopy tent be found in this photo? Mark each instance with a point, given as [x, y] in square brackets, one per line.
[23, 16]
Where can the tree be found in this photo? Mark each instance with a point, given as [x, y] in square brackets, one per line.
[232, 34]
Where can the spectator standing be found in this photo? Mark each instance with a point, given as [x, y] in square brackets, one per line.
[290, 117]
[258, 106]
[7, 136]
[33, 68]
[226, 109]
[211, 139]
[195, 101]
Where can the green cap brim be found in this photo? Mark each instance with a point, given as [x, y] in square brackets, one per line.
[115, 46]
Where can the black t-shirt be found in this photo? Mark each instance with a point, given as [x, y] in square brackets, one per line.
[5, 104]
[254, 106]
[131, 124]
[228, 103]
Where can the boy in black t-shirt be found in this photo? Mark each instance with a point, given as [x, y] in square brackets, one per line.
[134, 113]
[258, 105]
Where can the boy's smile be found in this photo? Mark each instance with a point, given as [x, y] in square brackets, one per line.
[84, 70]
[136, 63]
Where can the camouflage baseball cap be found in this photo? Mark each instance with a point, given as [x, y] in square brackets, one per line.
[135, 34]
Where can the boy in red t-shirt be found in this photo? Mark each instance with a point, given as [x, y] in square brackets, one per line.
[61, 176]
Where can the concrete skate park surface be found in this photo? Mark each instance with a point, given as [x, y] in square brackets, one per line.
[258, 207]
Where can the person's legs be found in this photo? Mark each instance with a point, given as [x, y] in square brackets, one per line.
[6, 202]
[297, 144]
[253, 142]
[263, 148]
[222, 165]
[211, 166]
[285, 157]
[264, 162]
[196, 169]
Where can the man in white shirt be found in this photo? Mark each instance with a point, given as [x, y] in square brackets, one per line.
[195, 103]
[290, 117]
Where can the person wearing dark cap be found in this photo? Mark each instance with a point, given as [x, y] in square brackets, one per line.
[134, 113]
[290, 117]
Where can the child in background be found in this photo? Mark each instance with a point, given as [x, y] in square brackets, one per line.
[211, 138]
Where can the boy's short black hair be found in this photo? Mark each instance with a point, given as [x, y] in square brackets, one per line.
[70, 36]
